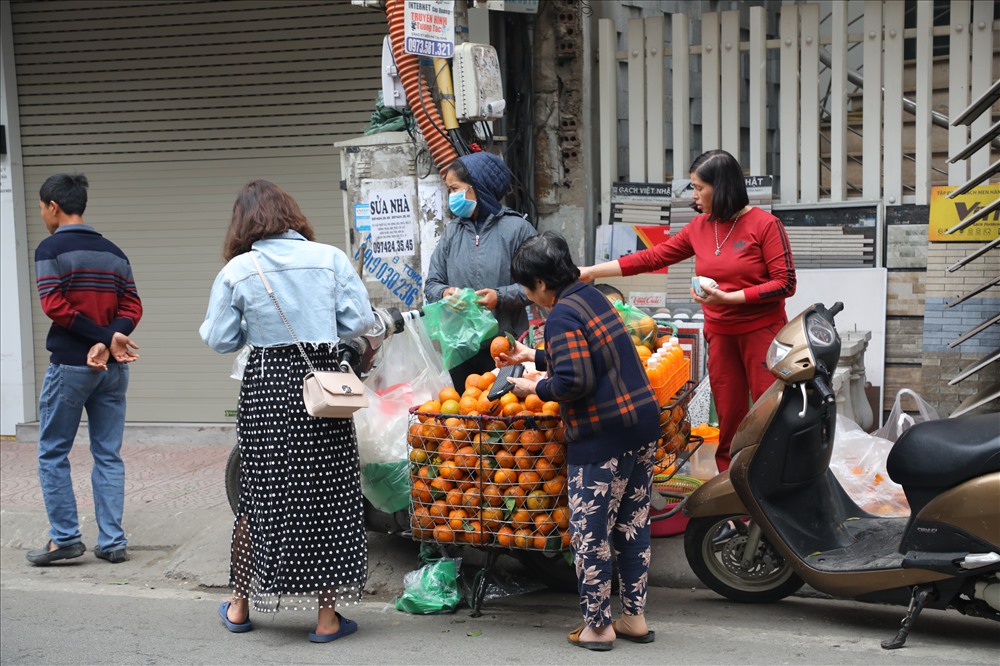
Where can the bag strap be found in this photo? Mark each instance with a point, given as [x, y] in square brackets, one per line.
[274, 299]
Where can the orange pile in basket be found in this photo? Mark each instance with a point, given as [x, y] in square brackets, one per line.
[674, 429]
[488, 473]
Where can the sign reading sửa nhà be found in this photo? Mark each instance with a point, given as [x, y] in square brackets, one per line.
[946, 213]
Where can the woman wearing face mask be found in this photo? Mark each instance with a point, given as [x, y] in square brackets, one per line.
[476, 250]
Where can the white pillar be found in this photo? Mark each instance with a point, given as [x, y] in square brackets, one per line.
[17, 364]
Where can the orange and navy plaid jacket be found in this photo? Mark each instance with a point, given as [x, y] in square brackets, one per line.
[607, 404]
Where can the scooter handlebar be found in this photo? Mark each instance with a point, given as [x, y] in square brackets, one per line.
[836, 309]
[823, 388]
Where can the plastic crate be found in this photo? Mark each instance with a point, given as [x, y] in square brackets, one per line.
[677, 378]
[488, 480]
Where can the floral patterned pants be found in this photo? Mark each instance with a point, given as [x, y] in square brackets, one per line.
[609, 508]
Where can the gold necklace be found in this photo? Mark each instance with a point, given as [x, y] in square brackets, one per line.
[718, 245]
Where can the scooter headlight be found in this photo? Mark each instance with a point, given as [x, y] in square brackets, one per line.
[776, 353]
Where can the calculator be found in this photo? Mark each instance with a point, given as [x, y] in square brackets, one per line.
[500, 384]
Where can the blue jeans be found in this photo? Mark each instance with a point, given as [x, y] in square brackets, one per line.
[66, 392]
[609, 518]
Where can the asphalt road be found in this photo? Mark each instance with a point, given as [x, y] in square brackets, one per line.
[93, 613]
[160, 608]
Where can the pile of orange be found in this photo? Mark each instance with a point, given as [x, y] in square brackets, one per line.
[643, 331]
[674, 430]
[488, 472]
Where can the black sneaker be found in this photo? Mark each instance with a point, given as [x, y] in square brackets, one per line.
[44, 556]
[113, 556]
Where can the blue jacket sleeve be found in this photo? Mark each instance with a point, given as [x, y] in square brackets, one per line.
[354, 309]
[222, 330]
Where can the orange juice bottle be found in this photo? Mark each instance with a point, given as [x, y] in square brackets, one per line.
[666, 369]
[676, 353]
[668, 362]
[655, 376]
[653, 370]
[664, 352]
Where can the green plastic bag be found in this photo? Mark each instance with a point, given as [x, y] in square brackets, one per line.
[387, 485]
[460, 325]
[639, 325]
[387, 119]
[433, 588]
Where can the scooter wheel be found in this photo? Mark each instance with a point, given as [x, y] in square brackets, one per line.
[715, 548]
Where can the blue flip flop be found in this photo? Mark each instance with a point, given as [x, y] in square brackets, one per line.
[240, 628]
[347, 627]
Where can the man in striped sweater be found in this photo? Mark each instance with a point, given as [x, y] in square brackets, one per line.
[86, 288]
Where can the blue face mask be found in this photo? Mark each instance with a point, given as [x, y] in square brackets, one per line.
[459, 205]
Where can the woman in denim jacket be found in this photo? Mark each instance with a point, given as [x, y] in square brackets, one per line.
[299, 537]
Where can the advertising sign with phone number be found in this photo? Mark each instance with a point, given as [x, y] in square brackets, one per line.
[430, 28]
[391, 221]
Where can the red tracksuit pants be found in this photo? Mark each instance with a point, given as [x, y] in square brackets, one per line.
[737, 371]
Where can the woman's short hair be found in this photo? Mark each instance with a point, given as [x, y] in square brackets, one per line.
[262, 209]
[544, 257]
[729, 188]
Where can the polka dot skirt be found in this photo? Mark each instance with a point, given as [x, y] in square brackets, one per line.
[299, 540]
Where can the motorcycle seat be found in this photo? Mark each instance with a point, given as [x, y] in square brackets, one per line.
[946, 452]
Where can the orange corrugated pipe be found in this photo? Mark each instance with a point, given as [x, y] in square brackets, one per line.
[409, 70]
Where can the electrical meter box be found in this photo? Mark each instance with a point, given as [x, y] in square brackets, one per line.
[478, 89]
[393, 93]
[394, 210]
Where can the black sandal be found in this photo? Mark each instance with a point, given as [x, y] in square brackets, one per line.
[597, 646]
[648, 638]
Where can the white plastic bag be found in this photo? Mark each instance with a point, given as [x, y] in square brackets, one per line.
[899, 421]
[858, 462]
[409, 373]
[240, 363]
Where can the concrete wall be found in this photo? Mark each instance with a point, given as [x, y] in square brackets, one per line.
[942, 325]
[561, 185]
[920, 327]
[17, 365]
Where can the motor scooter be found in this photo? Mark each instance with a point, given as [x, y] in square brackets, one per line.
[778, 518]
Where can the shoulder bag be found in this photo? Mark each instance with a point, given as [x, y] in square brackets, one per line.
[331, 395]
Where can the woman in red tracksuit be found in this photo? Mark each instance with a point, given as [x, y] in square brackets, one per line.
[746, 251]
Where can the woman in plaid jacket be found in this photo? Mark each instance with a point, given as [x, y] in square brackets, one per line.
[611, 418]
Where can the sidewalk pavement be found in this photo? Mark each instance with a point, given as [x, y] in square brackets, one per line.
[175, 502]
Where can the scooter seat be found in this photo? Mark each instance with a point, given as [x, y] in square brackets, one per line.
[946, 452]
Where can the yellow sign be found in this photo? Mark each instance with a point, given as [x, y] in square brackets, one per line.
[946, 213]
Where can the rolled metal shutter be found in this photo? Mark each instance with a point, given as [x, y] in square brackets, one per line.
[168, 108]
